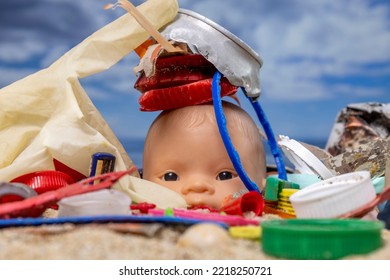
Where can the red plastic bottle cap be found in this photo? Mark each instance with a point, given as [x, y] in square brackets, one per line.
[44, 181]
[250, 201]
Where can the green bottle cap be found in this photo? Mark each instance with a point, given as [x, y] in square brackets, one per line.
[271, 191]
[288, 185]
[320, 239]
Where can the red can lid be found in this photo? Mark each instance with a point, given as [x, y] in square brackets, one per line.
[44, 181]
[179, 81]
[175, 71]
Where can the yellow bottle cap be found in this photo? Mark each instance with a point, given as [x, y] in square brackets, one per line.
[287, 192]
[284, 199]
[249, 232]
[285, 205]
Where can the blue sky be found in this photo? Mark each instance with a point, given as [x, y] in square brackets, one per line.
[319, 56]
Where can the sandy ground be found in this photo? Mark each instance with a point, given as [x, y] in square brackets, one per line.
[129, 241]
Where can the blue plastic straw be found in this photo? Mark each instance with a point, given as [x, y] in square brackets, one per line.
[233, 155]
[271, 139]
[221, 121]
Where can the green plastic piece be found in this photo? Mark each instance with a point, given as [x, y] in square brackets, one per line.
[320, 239]
[287, 185]
[274, 186]
[168, 212]
[271, 191]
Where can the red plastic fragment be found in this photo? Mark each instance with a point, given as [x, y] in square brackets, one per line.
[143, 207]
[59, 166]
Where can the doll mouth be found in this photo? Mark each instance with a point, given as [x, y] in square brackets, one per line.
[200, 202]
[204, 208]
[196, 202]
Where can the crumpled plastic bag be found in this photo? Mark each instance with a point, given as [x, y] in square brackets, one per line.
[48, 116]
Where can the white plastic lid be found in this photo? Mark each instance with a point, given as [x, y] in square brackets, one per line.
[304, 161]
[334, 197]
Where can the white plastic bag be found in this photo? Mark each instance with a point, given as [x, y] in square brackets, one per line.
[48, 115]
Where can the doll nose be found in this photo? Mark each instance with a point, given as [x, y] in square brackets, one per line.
[198, 186]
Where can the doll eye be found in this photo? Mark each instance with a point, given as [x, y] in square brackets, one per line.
[224, 175]
[170, 176]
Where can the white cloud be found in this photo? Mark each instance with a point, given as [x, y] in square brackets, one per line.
[359, 91]
[345, 35]
[34, 29]
[24, 51]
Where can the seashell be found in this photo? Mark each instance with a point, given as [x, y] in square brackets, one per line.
[204, 236]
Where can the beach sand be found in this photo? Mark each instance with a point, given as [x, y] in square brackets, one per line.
[130, 241]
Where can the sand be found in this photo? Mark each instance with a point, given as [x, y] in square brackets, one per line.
[130, 241]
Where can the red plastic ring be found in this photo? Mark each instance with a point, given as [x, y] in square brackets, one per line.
[44, 181]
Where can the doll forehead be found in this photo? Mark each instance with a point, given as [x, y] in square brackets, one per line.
[194, 116]
[175, 122]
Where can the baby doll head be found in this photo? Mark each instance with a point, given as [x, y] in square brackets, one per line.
[184, 152]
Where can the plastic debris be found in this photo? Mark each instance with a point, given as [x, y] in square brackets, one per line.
[359, 124]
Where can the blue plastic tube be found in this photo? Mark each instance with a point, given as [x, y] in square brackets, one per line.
[233, 155]
[271, 139]
[221, 122]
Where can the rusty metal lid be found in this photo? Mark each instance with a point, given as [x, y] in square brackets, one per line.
[228, 53]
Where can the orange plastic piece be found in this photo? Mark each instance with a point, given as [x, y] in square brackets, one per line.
[141, 49]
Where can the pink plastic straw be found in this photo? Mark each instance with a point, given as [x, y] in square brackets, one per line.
[231, 220]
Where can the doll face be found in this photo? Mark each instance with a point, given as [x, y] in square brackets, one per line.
[193, 162]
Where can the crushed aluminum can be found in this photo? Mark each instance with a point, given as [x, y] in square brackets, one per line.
[359, 124]
[360, 139]
[229, 54]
